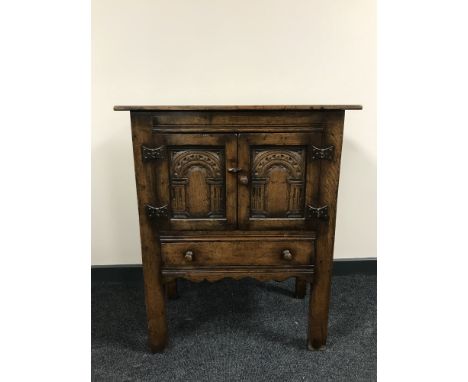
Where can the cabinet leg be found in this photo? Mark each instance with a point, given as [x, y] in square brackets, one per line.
[171, 290]
[156, 312]
[301, 288]
[318, 315]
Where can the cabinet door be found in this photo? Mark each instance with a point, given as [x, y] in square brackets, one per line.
[278, 179]
[193, 182]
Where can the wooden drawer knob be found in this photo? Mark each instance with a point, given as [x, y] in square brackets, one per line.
[287, 255]
[188, 256]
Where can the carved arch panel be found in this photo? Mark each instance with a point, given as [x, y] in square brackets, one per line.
[197, 182]
[278, 182]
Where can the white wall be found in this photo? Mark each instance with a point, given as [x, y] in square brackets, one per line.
[230, 52]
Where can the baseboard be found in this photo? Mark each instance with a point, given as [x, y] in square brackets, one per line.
[367, 266]
[131, 273]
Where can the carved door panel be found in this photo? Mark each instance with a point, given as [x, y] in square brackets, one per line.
[193, 182]
[278, 178]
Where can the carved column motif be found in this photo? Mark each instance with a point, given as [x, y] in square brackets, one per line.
[295, 198]
[216, 197]
[258, 197]
[179, 209]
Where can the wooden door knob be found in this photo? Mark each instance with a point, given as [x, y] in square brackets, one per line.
[188, 256]
[287, 255]
[243, 179]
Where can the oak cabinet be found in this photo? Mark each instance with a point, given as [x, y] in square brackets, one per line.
[237, 191]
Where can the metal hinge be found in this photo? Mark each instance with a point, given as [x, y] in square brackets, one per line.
[325, 153]
[317, 212]
[156, 212]
[149, 154]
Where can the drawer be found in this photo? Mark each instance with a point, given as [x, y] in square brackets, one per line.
[237, 251]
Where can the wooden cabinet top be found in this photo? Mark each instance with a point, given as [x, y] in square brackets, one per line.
[231, 107]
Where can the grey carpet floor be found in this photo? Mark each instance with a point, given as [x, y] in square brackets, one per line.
[235, 331]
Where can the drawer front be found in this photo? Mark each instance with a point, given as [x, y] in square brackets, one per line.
[243, 252]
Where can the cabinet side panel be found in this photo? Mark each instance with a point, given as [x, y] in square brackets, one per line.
[150, 250]
[328, 192]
